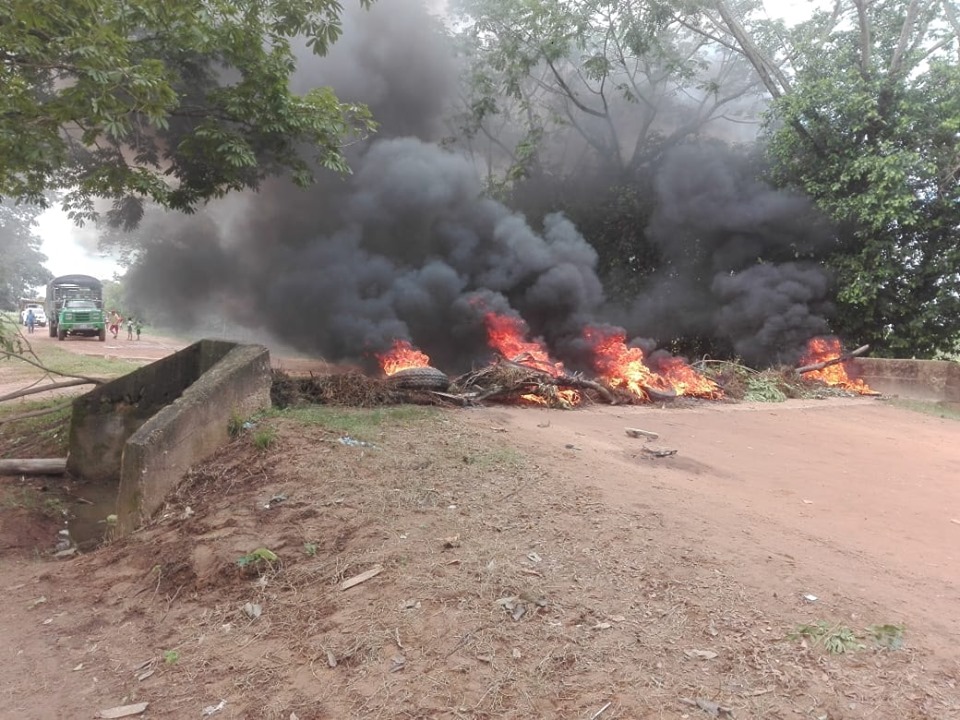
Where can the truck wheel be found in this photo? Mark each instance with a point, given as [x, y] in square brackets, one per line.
[61, 335]
[52, 330]
[103, 335]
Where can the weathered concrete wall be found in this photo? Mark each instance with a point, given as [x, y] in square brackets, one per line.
[105, 417]
[936, 380]
[186, 431]
[140, 433]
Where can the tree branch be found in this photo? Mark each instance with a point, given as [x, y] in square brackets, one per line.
[86, 378]
[863, 20]
[36, 389]
[896, 61]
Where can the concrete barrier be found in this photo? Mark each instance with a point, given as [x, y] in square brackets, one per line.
[934, 380]
[141, 432]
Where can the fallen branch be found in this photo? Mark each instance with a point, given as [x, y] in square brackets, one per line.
[827, 363]
[34, 466]
[16, 356]
[44, 388]
[35, 413]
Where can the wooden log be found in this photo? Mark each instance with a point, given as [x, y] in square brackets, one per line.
[34, 466]
[827, 363]
[637, 432]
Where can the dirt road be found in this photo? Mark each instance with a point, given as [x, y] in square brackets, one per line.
[665, 578]
[852, 501]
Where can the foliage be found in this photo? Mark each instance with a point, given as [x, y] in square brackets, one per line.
[566, 87]
[175, 102]
[171, 657]
[264, 438]
[866, 105]
[258, 561]
[835, 639]
[21, 262]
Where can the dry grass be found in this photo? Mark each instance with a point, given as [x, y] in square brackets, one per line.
[466, 533]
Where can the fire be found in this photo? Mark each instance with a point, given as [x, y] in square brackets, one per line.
[508, 336]
[402, 356]
[620, 366]
[822, 349]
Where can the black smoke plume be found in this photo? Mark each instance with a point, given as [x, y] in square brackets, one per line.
[409, 246]
[738, 259]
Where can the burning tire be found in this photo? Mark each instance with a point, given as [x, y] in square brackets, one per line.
[420, 378]
[660, 393]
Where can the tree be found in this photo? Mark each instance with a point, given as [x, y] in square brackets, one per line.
[559, 86]
[865, 118]
[175, 102]
[21, 262]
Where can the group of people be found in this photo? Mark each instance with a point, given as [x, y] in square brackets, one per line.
[117, 321]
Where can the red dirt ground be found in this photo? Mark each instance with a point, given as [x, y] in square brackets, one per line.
[663, 578]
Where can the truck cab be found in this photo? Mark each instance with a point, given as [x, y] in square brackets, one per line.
[74, 307]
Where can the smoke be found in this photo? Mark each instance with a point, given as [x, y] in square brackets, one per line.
[736, 258]
[410, 247]
[420, 253]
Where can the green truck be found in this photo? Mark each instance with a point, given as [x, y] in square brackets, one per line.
[75, 307]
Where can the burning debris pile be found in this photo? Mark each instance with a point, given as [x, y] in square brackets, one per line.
[522, 372]
[826, 362]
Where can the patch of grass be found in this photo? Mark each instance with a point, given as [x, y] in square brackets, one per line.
[948, 411]
[171, 657]
[835, 639]
[30, 499]
[235, 424]
[42, 436]
[357, 422]
[65, 361]
[264, 438]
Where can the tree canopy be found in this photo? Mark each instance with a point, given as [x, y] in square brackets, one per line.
[21, 262]
[865, 119]
[860, 110]
[175, 102]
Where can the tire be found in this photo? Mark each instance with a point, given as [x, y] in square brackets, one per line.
[61, 335]
[657, 394]
[422, 378]
[103, 335]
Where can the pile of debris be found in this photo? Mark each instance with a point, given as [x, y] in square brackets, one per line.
[531, 378]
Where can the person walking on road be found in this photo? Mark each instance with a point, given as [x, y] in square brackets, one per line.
[139, 327]
[115, 320]
[31, 320]
[129, 328]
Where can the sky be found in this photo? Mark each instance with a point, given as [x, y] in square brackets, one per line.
[71, 250]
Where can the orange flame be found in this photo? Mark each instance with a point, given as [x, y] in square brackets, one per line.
[821, 349]
[508, 336]
[402, 356]
[620, 366]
